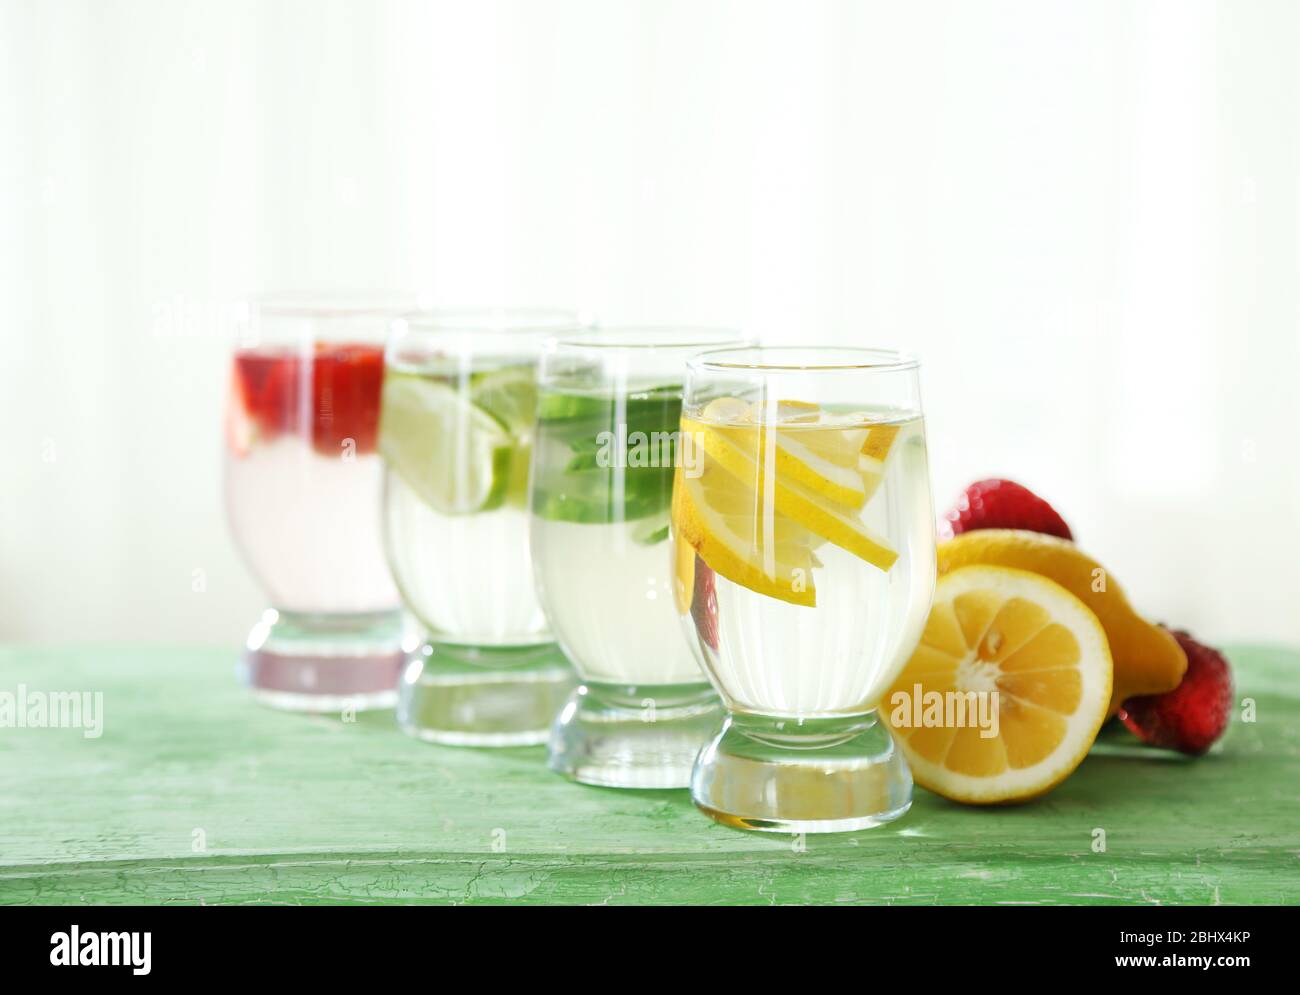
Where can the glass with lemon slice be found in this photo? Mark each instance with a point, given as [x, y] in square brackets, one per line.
[457, 423]
[606, 453]
[805, 547]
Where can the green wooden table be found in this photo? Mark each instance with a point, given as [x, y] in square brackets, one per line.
[192, 794]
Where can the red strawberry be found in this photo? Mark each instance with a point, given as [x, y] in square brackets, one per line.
[240, 429]
[268, 386]
[1194, 714]
[1002, 504]
[704, 603]
[346, 384]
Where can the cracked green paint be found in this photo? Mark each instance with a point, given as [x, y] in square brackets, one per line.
[299, 809]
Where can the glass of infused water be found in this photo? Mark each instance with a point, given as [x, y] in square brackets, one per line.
[302, 480]
[606, 453]
[457, 430]
[811, 527]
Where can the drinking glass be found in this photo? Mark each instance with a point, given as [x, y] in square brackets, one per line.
[609, 409]
[302, 493]
[456, 434]
[812, 532]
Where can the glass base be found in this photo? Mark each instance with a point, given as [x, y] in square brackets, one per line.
[483, 695]
[815, 776]
[617, 736]
[324, 663]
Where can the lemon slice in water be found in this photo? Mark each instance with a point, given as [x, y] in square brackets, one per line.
[807, 444]
[803, 497]
[719, 517]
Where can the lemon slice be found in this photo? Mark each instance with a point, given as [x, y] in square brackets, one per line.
[822, 459]
[1032, 644]
[723, 521]
[782, 412]
[683, 573]
[741, 451]
[809, 445]
[875, 450]
[876, 446]
[454, 455]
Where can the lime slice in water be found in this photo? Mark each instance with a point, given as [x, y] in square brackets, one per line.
[453, 454]
[508, 394]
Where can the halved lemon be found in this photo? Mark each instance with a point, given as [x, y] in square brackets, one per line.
[727, 525]
[742, 452]
[1148, 660]
[1040, 667]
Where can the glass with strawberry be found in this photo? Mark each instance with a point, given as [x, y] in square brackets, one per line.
[303, 481]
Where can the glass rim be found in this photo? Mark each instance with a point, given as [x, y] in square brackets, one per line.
[333, 304]
[492, 320]
[666, 337]
[838, 359]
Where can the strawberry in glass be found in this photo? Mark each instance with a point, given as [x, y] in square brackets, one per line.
[303, 480]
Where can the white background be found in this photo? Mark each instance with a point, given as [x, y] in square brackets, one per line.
[1083, 217]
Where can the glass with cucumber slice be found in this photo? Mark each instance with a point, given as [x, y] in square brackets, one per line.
[604, 460]
[608, 458]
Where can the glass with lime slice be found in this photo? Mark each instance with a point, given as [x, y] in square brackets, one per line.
[607, 451]
[457, 426]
